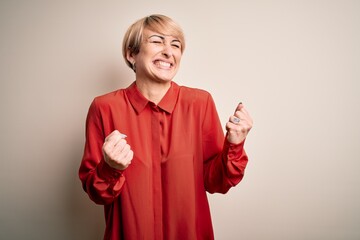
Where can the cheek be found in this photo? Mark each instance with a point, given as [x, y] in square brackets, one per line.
[178, 57]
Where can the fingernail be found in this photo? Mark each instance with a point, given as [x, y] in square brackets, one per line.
[123, 135]
[240, 103]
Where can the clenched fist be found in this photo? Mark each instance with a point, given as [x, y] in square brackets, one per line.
[117, 153]
[239, 125]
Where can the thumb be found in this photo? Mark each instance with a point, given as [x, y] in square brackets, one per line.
[239, 107]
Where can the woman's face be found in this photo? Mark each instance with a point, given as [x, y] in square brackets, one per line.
[159, 57]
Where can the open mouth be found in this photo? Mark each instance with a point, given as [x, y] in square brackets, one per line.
[162, 64]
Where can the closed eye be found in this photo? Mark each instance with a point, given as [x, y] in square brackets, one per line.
[156, 39]
[176, 43]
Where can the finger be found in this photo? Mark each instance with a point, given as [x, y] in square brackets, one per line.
[113, 146]
[230, 127]
[108, 147]
[115, 133]
[112, 143]
[239, 107]
[120, 143]
[237, 130]
[113, 157]
[125, 158]
[114, 138]
[129, 156]
[110, 136]
[244, 110]
[121, 149]
[243, 115]
[234, 119]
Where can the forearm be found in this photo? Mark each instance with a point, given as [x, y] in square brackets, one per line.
[102, 183]
[225, 169]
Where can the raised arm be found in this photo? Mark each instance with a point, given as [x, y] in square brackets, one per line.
[225, 159]
[103, 161]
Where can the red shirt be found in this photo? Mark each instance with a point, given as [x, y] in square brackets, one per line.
[179, 153]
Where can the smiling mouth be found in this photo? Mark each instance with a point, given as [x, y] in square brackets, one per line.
[163, 64]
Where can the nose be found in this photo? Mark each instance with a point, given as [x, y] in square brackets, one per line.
[167, 51]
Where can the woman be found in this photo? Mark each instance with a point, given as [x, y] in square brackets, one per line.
[153, 149]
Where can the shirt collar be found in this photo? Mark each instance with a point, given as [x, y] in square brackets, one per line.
[139, 102]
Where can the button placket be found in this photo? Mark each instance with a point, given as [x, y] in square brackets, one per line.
[156, 171]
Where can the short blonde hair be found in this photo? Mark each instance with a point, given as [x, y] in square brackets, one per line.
[158, 23]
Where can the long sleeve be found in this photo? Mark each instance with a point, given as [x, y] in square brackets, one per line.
[179, 152]
[101, 182]
[224, 163]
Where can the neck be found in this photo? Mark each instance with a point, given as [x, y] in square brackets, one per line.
[153, 91]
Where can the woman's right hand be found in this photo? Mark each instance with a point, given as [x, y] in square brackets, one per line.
[117, 153]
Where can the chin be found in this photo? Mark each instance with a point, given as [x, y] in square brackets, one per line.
[163, 80]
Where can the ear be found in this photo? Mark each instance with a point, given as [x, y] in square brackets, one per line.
[130, 56]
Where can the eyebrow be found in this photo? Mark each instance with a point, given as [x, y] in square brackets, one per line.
[162, 37]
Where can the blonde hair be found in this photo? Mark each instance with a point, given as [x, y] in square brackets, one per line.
[158, 23]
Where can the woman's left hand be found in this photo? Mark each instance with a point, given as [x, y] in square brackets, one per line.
[238, 125]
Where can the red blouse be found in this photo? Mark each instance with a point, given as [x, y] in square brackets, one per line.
[179, 153]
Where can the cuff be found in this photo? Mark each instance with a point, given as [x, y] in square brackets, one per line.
[108, 173]
[233, 151]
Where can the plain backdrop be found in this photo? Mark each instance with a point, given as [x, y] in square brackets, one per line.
[294, 64]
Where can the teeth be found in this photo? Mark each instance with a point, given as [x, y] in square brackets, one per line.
[164, 64]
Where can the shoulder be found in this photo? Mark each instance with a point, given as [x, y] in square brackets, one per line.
[199, 101]
[106, 102]
[194, 94]
[109, 98]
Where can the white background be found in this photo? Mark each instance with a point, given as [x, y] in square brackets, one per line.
[294, 64]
